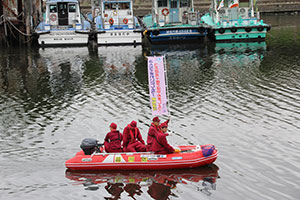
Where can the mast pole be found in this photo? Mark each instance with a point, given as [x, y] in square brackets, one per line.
[167, 85]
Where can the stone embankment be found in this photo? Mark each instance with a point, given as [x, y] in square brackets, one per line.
[143, 7]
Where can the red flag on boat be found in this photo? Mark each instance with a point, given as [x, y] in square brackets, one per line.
[233, 3]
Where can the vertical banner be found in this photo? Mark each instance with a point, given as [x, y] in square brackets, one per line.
[157, 85]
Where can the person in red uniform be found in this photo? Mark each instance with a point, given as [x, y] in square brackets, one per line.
[160, 144]
[132, 139]
[153, 130]
[113, 139]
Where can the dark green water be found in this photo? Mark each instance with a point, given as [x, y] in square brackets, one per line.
[244, 98]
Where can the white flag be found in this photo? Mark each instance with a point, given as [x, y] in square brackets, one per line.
[233, 3]
[221, 5]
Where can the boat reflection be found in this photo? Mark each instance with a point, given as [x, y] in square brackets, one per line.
[157, 184]
[185, 63]
[119, 61]
[239, 54]
[65, 67]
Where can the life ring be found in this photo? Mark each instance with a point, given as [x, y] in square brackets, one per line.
[165, 12]
[111, 21]
[248, 29]
[52, 17]
[233, 29]
[125, 20]
[221, 30]
[260, 28]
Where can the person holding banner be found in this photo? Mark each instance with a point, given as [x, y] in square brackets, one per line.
[132, 139]
[153, 131]
[160, 144]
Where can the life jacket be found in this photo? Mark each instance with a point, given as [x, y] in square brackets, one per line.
[134, 135]
[155, 137]
[156, 127]
[117, 138]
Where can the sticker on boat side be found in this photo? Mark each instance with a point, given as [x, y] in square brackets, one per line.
[131, 159]
[176, 158]
[118, 159]
[144, 159]
[86, 159]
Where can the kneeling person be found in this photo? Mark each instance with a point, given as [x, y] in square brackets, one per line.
[160, 144]
[113, 139]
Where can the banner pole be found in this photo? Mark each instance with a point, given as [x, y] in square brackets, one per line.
[167, 83]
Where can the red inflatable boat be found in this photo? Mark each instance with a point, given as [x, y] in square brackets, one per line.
[189, 157]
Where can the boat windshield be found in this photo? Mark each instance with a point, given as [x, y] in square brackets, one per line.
[114, 6]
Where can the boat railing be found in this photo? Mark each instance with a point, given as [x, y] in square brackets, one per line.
[229, 16]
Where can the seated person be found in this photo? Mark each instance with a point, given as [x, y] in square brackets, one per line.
[113, 139]
[160, 144]
[132, 139]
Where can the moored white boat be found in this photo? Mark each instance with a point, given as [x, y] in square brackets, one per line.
[116, 23]
[63, 24]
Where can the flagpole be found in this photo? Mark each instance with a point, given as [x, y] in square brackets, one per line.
[168, 95]
[167, 82]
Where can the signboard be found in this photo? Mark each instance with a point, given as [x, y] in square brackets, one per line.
[157, 85]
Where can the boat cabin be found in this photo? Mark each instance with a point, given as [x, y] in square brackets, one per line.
[62, 14]
[117, 14]
[228, 12]
[173, 12]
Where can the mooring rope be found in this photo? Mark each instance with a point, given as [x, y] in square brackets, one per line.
[18, 29]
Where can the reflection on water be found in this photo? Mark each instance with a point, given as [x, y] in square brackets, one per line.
[242, 97]
[65, 67]
[238, 60]
[119, 60]
[158, 184]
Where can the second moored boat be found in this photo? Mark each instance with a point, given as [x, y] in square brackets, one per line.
[116, 23]
[173, 21]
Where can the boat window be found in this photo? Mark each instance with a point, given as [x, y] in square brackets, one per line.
[110, 6]
[162, 3]
[72, 8]
[173, 3]
[53, 8]
[62, 6]
[124, 6]
[184, 3]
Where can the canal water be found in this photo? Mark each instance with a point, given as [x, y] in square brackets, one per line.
[243, 97]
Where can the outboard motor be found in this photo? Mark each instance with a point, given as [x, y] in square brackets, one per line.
[90, 145]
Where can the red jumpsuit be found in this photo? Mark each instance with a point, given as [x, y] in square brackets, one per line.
[112, 142]
[160, 144]
[132, 140]
[153, 130]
